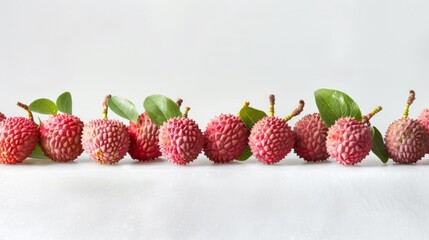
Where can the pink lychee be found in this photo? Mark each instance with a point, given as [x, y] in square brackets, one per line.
[180, 140]
[144, 139]
[271, 139]
[349, 141]
[226, 138]
[60, 137]
[310, 135]
[424, 119]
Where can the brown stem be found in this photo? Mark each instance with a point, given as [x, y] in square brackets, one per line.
[272, 102]
[365, 119]
[106, 106]
[296, 112]
[179, 102]
[26, 108]
[410, 101]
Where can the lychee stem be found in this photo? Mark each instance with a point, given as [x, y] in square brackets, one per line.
[272, 102]
[185, 112]
[179, 102]
[410, 101]
[25, 107]
[365, 119]
[296, 112]
[106, 106]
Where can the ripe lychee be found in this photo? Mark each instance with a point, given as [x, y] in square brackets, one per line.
[2, 117]
[271, 138]
[424, 120]
[226, 138]
[310, 138]
[349, 141]
[181, 139]
[144, 139]
[18, 138]
[60, 137]
[406, 139]
[105, 141]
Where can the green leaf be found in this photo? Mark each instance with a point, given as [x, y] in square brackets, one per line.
[250, 116]
[38, 153]
[247, 153]
[378, 147]
[44, 106]
[124, 108]
[161, 108]
[333, 104]
[64, 103]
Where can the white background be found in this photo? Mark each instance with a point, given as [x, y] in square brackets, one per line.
[214, 55]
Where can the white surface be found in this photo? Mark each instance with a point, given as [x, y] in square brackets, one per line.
[158, 200]
[215, 55]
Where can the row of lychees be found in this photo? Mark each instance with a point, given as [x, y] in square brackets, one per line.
[63, 137]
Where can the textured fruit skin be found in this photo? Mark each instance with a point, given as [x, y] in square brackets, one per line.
[2, 117]
[271, 139]
[226, 138]
[180, 140]
[310, 138]
[144, 139]
[105, 141]
[406, 141]
[349, 141]
[424, 119]
[18, 138]
[60, 137]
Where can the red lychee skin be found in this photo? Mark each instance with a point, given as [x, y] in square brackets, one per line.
[60, 137]
[349, 141]
[406, 141]
[226, 138]
[105, 141]
[2, 117]
[144, 139]
[18, 138]
[310, 138]
[424, 119]
[180, 140]
[271, 139]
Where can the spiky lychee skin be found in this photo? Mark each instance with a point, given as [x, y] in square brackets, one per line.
[2, 117]
[18, 138]
[424, 119]
[180, 140]
[310, 138]
[60, 137]
[144, 139]
[271, 139]
[226, 138]
[105, 141]
[406, 141]
[349, 141]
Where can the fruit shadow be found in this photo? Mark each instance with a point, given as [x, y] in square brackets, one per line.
[44, 162]
[158, 161]
[300, 162]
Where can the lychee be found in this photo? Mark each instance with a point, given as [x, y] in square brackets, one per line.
[60, 137]
[144, 139]
[310, 138]
[105, 141]
[424, 120]
[271, 138]
[181, 139]
[406, 139]
[226, 138]
[18, 138]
